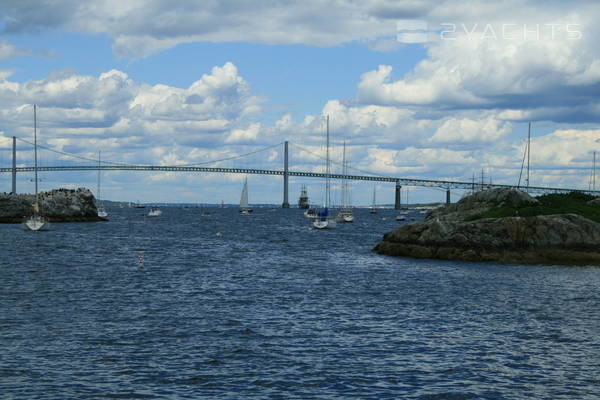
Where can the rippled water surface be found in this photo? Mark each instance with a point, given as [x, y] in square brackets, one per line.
[170, 308]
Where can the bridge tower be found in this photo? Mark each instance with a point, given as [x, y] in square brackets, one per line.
[14, 166]
[398, 199]
[286, 203]
[448, 196]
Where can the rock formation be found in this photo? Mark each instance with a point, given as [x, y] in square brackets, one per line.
[452, 233]
[60, 205]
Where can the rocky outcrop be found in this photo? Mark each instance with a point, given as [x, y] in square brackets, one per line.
[60, 205]
[447, 233]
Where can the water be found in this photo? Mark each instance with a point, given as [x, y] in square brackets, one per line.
[168, 308]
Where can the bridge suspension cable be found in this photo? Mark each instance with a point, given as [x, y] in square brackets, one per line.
[95, 161]
[339, 163]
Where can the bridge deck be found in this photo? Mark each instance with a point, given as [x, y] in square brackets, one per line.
[399, 181]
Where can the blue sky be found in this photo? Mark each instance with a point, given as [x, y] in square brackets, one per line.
[182, 82]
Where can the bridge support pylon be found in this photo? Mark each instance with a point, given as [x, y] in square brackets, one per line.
[286, 203]
[447, 196]
[398, 199]
[14, 166]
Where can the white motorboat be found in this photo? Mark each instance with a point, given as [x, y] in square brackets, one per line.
[310, 213]
[154, 212]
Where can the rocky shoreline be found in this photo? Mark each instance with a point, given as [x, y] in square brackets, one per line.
[452, 233]
[59, 205]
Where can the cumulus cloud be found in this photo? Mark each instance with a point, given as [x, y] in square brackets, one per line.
[76, 108]
[141, 28]
[453, 112]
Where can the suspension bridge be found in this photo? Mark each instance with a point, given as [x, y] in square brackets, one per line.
[285, 172]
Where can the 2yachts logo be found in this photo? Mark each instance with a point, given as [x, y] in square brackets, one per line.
[416, 31]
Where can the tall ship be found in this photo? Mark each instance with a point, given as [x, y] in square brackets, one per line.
[303, 199]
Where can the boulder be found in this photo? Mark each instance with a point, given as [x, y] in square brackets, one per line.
[59, 205]
[448, 233]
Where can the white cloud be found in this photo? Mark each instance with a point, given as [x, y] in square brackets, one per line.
[454, 131]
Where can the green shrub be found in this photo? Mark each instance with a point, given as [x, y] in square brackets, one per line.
[564, 203]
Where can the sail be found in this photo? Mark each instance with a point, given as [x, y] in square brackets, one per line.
[244, 197]
[374, 194]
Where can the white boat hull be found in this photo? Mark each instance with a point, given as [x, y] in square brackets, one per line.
[310, 214]
[324, 224]
[400, 218]
[102, 213]
[36, 224]
[154, 213]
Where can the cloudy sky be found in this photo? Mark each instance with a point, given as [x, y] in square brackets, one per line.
[183, 82]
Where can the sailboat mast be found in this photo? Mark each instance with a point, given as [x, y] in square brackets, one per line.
[327, 169]
[98, 194]
[528, 151]
[344, 182]
[374, 199]
[594, 172]
[35, 169]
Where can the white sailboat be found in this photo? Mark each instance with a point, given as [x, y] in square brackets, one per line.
[101, 211]
[405, 211]
[323, 220]
[244, 208]
[36, 222]
[345, 214]
[373, 209]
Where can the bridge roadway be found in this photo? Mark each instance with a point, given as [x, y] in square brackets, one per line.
[398, 181]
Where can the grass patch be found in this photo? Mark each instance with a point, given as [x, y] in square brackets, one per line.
[567, 203]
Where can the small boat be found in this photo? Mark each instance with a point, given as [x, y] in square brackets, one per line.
[154, 212]
[244, 208]
[100, 210]
[373, 209]
[36, 222]
[400, 218]
[345, 214]
[310, 213]
[138, 205]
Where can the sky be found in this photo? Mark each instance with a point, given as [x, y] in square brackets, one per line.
[416, 89]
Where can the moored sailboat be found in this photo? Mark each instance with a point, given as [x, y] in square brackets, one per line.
[101, 211]
[345, 214]
[36, 222]
[323, 219]
[373, 209]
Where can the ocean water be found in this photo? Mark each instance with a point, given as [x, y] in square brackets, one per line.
[262, 307]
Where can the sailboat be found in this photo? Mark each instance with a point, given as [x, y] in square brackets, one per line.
[101, 211]
[244, 208]
[36, 222]
[405, 210]
[373, 209]
[323, 220]
[345, 214]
